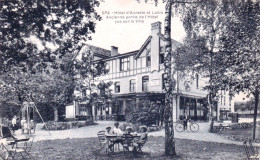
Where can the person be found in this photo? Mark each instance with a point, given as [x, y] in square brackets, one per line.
[23, 124]
[5, 132]
[109, 144]
[117, 130]
[14, 121]
[128, 130]
[185, 121]
[108, 131]
[13, 126]
[143, 138]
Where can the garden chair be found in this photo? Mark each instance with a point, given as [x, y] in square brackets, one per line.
[102, 140]
[140, 145]
[27, 146]
[127, 142]
[8, 150]
[250, 150]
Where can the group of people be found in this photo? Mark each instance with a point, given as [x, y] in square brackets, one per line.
[117, 131]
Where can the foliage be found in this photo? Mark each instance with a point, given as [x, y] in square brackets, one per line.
[242, 48]
[245, 106]
[86, 70]
[225, 34]
[38, 40]
[35, 32]
[144, 113]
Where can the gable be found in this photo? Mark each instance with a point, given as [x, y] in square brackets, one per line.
[144, 47]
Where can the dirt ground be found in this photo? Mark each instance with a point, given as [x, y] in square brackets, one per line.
[88, 148]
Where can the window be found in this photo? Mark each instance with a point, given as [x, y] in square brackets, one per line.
[107, 68]
[124, 64]
[145, 84]
[117, 87]
[132, 85]
[148, 61]
[163, 80]
[197, 80]
[161, 58]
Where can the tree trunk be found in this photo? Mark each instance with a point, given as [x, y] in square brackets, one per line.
[255, 111]
[211, 117]
[56, 114]
[169, 130]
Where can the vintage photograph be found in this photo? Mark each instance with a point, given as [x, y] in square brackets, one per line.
[129, 79]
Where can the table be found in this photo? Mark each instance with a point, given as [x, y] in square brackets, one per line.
[116, 139]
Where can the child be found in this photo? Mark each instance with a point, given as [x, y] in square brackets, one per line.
[108, 131]
[143, 138]
[117, 130]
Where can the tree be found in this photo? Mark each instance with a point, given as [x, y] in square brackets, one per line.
[35, 36]
[205, 24]
[87, 70]
[38, 31]
[170, 69]
[241, 44]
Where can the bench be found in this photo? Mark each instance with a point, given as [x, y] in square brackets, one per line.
[251, 151]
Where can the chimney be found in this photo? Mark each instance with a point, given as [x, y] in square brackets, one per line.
[114, 51]
[156, 27]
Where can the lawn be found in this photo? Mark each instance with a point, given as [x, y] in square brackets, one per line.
[88, 148]
[241, 134]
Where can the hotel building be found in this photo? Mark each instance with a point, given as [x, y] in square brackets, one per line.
[139, 75]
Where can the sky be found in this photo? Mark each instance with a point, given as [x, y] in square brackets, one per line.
[128, 31]
[130, 36]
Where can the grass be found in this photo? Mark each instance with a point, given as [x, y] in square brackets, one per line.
[241, 134]
[88, 148]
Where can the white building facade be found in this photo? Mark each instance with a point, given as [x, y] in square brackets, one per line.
[139, 75]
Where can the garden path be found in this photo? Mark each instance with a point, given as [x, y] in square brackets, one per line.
[91, 131]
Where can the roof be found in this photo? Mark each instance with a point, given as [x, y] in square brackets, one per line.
[123, 55]
[106, 54]
[143, 46]
[97, 51]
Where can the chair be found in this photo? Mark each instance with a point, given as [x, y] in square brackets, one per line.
[27, 146]
[140, 145]
[127, 141]
[102, 140]
[141, 142]
[250, 150]
[9, 151]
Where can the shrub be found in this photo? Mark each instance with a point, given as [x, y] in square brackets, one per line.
[67, 125]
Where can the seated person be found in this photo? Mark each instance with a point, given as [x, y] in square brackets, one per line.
[117, 130]
[143, 138]
[109, 143]
[108, 131]
[6, 133]
[128, 130]
[144, 134]
[128, 138]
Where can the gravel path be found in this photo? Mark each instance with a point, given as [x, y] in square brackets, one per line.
[91, 131]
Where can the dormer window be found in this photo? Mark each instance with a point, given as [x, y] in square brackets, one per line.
[148, 59]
